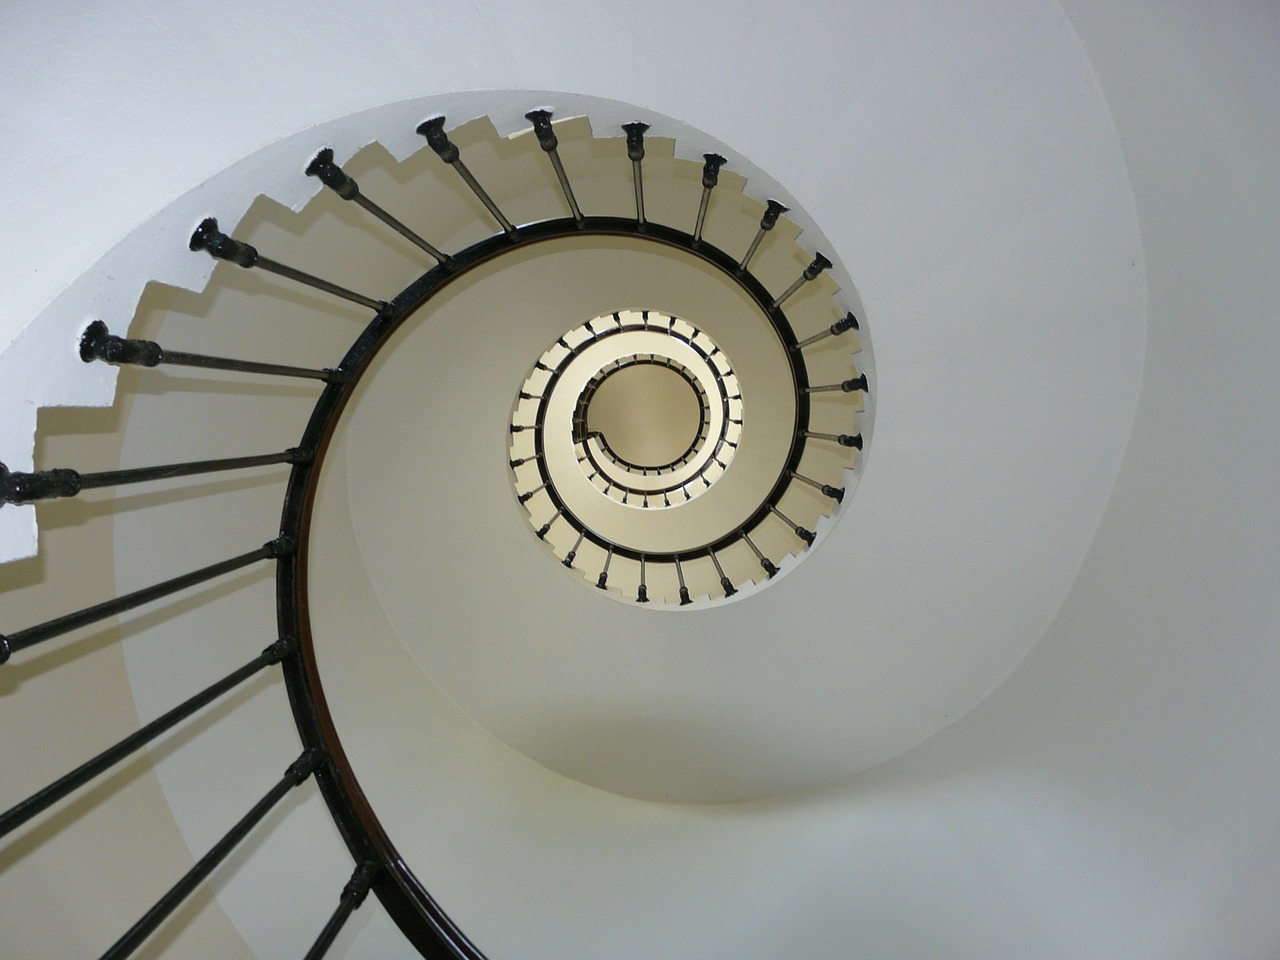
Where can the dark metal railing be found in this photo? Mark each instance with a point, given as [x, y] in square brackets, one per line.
[635, 152]
[29, 637]
[98, 343]
[819, 264]
[710, 177]
[378, 866]
[541, 120]
[209, 238]
[332, 176]
[439, 141]
[41, 800]
[353, 895]
[850, 322]
[65, 482]
[773, 210]
[298, 772]
[634, 493]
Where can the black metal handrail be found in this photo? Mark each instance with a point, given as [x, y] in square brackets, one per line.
[378, 866]
[762, 512]
[623, 480]
[582, 426]
[43, 799]
[294, 776]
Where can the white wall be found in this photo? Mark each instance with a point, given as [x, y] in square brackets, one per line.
[1121, 788]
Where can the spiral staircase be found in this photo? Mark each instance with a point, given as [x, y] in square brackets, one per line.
[1018, 701]
[772, 443]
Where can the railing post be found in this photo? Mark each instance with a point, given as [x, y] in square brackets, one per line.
[99, 343]
[725, 583]
[541, 120]
[529, 495]
[100, 611]
[521, 461]
[844, 439]
[642, 592]
[569, 557]
[635, 151]
[835, 493]
[353, 894]
[603, 580]
[808, 536]
[65, 482]
[772, 211]
[209, 238]
[710, 177]
[768, 565]
[433, 130]
[333, 177]
[849, 322]
[847, 386]
[40, 801]
[298, 772]
[42, 485]
[546, 527]
[685, 599]
[811, 272]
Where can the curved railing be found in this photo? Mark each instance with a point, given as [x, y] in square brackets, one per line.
[738, 529]
[627, 482]
[378, 866]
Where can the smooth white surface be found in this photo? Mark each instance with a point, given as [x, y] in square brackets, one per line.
[1117, 796]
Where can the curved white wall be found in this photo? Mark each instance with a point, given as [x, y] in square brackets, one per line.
[1117, 796]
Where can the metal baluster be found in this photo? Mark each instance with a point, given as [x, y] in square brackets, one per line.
[844, 439]
[765, 562]
[98, 343]
[521, 461]
[850, 322]
[811, 272]
[806, 535]
[546, 527]
[64, 482]
[298, 772]
[209, 238]
[603, 579]
[773, 210]
[439, 141]
[635, 150]
[710, 177]
[40, 801]
[353, 894]
[541, 120]
[642, 592]
[725, 583]
[526, 497]
[848, 386]
[685, 599]
[65, 624]
[333, 177]
[569, 557]
[835, 493]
